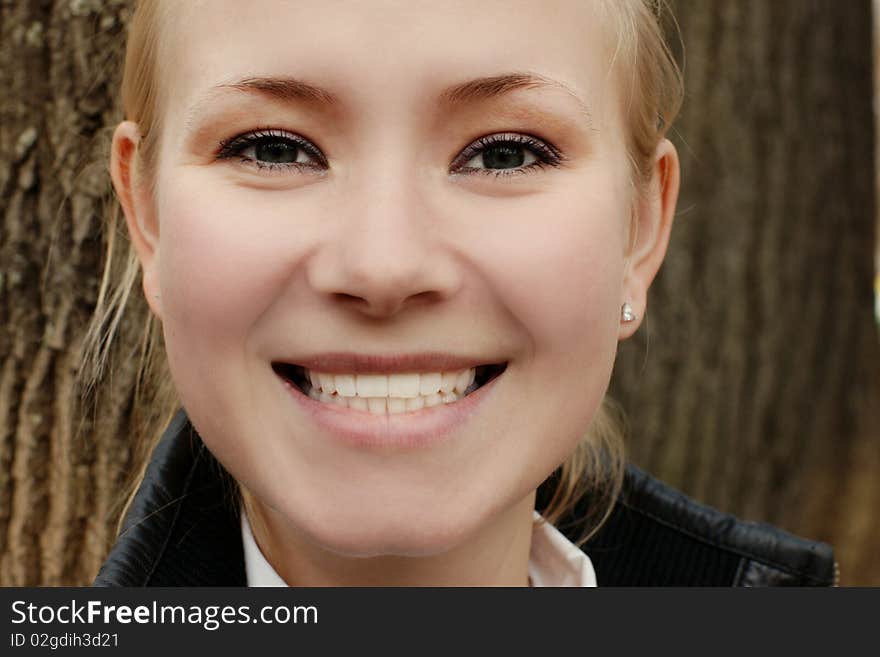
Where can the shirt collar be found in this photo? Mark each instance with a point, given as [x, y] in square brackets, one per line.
[556, 561]
[553, 559]
[258, 571]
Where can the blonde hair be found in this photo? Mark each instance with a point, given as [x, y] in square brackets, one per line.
[652, 95]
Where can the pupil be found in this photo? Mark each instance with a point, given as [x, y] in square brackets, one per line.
[503, 157]
[276, 152]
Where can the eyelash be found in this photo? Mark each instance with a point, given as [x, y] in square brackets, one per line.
[546, 155]
[235, 146]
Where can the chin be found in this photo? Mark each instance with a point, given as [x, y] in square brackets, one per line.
[386, 532]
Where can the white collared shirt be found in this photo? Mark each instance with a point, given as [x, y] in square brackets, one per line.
[553, 559]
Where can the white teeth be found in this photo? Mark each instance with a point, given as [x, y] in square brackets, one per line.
[372, 385]
[327, 382]
[429, 383]
[433, 400]
[345, 385]
[447, 381]
[403, 385]
[415, 404]
[385, 394]
[385, 405]
[396, 405]
[464, 380]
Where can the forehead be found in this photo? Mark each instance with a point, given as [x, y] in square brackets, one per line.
[399, 48]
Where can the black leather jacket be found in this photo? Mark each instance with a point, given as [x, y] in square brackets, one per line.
[183, 530]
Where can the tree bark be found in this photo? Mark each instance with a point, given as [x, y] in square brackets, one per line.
[60, 64]
[754, 386]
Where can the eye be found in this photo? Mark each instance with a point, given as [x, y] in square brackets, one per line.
[273, 149]
[506, 154]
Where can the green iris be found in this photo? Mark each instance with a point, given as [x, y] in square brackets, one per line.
[276, 152]
[503, 157]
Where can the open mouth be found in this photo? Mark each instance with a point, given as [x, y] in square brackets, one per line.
[388, 393]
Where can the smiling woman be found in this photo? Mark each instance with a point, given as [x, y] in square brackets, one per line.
[391, 259]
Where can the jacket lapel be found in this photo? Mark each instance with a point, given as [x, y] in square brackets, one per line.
[183, 526]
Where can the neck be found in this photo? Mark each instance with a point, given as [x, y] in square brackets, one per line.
[497, 555]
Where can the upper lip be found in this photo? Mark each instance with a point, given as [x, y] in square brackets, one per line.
[353, 363]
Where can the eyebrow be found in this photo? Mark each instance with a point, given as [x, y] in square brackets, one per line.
[284, 89]
[494, 86]
[291, 90]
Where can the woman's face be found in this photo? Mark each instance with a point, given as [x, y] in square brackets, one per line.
[397, 188]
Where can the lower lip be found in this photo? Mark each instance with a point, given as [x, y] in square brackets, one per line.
[422, 428]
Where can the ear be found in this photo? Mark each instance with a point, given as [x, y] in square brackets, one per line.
[137, 204]
[655, 210]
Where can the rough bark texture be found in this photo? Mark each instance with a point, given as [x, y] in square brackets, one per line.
[753, 387]
[59, 69]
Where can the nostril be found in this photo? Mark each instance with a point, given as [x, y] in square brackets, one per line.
[347, 298]
[378, 307]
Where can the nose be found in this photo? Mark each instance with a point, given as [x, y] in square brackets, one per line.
[386, 250]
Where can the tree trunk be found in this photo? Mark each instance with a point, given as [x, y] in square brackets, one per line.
[59, 70]
[754, 386]
[758, 393]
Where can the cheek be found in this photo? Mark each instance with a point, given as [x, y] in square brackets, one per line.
[574, 280]
[219, 268]
[558, 265]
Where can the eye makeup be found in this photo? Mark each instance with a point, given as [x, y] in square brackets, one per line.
[280, 150]
[501, 154]
[508, 144]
